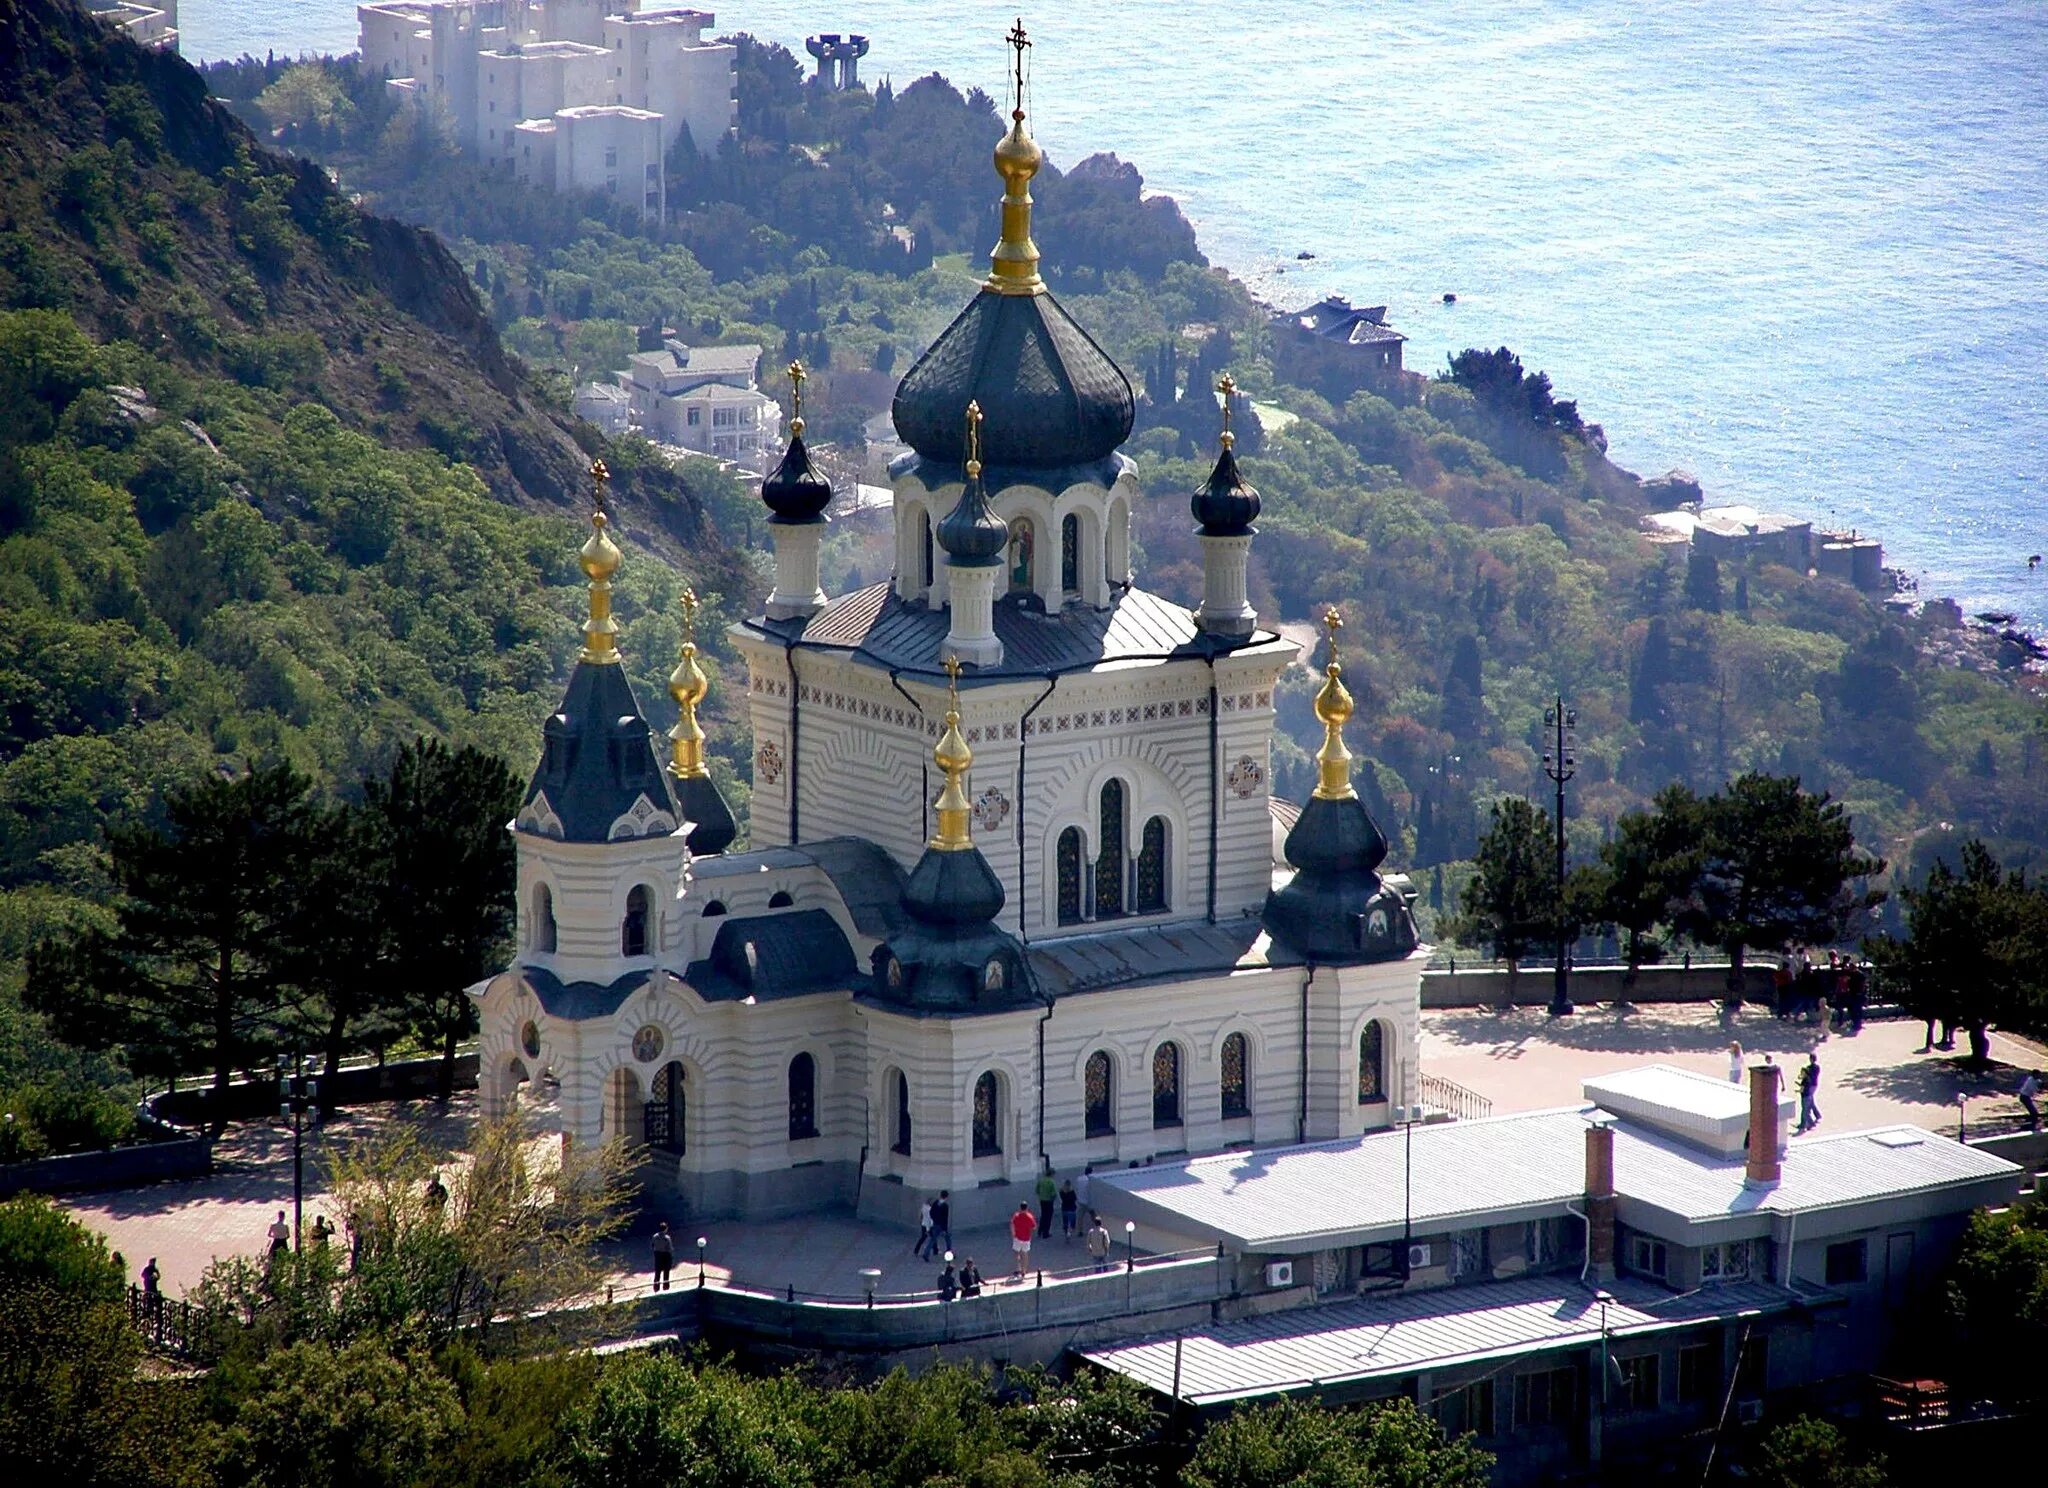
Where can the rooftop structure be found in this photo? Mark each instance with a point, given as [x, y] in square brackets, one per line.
[1337, 347]
[152, 23]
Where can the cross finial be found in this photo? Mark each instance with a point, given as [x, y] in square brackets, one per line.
[600, 479]
[796, 397]
[1227, 386]
[952, 665]
[1332, 622]
[689, 607]
[1019, 41]
[974, 438]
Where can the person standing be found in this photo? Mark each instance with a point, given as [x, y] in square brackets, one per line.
[923, 1248]
[1098, 1242]
[1735, 1064]
[664, 1256]
[2030, 1093]
[1048, 1195]
[1070, 1209]
[152, 1296]
[1022, 1228]
[970, 1279]
[949, 1283]
[280, 1236]
[323, 1231]
[1809, 1093]
[942, 1222]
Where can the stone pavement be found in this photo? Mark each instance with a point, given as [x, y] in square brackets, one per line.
[1527, 1060]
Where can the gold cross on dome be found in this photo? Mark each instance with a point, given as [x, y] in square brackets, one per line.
[600, 477]
[1019, 41]
[796, 389]
[1227, 386]
[689, 606]
[952, 665]
[974, 434]
[1332, 622]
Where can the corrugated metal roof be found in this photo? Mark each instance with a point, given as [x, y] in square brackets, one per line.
[1404, 1332]
[1086, 963]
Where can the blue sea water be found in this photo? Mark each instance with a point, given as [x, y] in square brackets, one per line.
[1800, 249]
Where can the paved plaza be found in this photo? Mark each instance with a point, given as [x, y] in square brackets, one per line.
[1520, 1061]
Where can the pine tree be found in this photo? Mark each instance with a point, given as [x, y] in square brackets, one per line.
[1510, 904]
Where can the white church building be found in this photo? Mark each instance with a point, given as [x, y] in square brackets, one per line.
[1012, 900]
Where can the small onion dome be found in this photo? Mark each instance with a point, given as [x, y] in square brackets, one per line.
[973, 535]
[796, 493]
[1225, 504]
[953, 888]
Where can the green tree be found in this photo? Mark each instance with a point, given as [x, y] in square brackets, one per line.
[1997, 1295]
[1776, 867]
[1648, 863]
[1290, 1445]
[1510, 904]
[359, 1417]
[41, 1245]
[188, 977]
[656, 1420]
[1808, 1452]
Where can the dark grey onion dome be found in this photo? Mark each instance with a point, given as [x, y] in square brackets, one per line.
[953, 888]
[950, 956]
[1336, 908]
[712, 828]
[597, 761]
[973, 535]
[1225, 504]
[1052, 397]
[796, 493]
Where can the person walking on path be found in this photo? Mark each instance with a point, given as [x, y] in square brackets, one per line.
[280, 1236]
[949, 1283]
[1022, 1228]
[970, 1279]
[1098, 1242]
[923, 1248]
[664, 1256]
[942, 1222]
[2030, 1091]
[1809, 1093]
[1070, 1209]
[1735, 1064]
[1048, 1195]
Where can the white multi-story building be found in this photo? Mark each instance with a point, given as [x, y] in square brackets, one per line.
[703, 398]
[153, 23]
[1018, 916]
[596, 70]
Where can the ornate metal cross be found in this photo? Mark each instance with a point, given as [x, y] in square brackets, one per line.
[1227, 386]
[1019, 41]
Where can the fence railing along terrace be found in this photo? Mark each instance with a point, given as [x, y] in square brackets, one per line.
[1449, 1095]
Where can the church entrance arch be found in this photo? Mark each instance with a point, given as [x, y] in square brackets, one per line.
[665, 1116]
[621, 1097]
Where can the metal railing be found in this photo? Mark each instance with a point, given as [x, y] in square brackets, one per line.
[1449, 1095]
[168, 1325]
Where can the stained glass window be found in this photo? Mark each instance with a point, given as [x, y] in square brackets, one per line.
[902, 1142]
[1372, 1074]
[988, 1140]
[633, 932]
[803, 1098]
[543, 918]
[1236, 1094]
[1166, 1085]
[1070, 552]
[1149, 891]
[1099, 1096]
[1068, 856]
[1109, 864]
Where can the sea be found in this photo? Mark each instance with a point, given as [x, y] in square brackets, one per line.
[1797, 249]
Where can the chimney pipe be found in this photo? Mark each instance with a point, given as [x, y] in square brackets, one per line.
[1764, 1167]
[1599, 1203]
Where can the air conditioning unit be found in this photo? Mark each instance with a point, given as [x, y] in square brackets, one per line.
[1748, 1412]
[1279, 1273]
[1418, 1257]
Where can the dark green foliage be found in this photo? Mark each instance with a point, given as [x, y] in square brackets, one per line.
[1808, 1452]
[1511, 902]
[361, 1417]
[1287, 1445]
[41, 1245]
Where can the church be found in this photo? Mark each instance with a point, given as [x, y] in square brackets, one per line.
[1012, 901]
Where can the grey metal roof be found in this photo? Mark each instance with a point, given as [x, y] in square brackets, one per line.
[577, 1001]
[765, 957]
[597, 758]
[1121, 958]
[897, 633]
[1401, 1333]
[869, 882]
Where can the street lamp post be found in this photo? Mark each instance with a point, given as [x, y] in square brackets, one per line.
[1560, 763]
[1603, 1298]
[702, 1241]
[296, 1095]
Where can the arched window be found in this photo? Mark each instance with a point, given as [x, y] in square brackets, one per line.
[924, 544]
[803, 1098]
[780, 899]
[633, 929]
[1098, 1090]
[714, 909]
[1148, 888]
[900, 1141]
[1068, 858]
[1237, 1095]
[1070, 552]
[1109, 863]
[1021, 554]
[988, 1132]
[1372, 1065]
[543, 918]
[666, 1110]
[1166, 1085]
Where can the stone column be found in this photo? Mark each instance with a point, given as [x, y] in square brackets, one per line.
[971, 598]
[1225, 610]
[797, 594]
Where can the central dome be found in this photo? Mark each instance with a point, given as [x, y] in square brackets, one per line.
[1051, 396]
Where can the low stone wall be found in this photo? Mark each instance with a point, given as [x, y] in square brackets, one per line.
[1486, 986]
[176, 1155]
[353, 1085]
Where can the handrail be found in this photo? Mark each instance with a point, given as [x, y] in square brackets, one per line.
[993, 1287]
[1448, 1095]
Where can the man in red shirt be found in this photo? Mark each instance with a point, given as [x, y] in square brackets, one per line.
[1023, 1225]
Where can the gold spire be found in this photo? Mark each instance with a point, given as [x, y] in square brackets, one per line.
[1013, 266]
[599, 559]
[796, 398]
[952, 757]
[1227, 386]
[973, 439]
[687, 684]
[1333, 707]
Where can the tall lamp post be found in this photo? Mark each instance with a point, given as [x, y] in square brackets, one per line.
[297, 1095]
[1560, 763]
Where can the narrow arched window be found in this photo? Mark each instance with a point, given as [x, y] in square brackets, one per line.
[1109, 863]
[633, 929]
[1021, 555]
[1372, 1065]
[901, 1140]
[803, 1098]
[1068, 862]
[543, 918]
[924, 544]
[1148, 883]
[1166, 1085]
[1099, 1096]
[988, 1131]
[1070, 552]
[1237, 1095]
